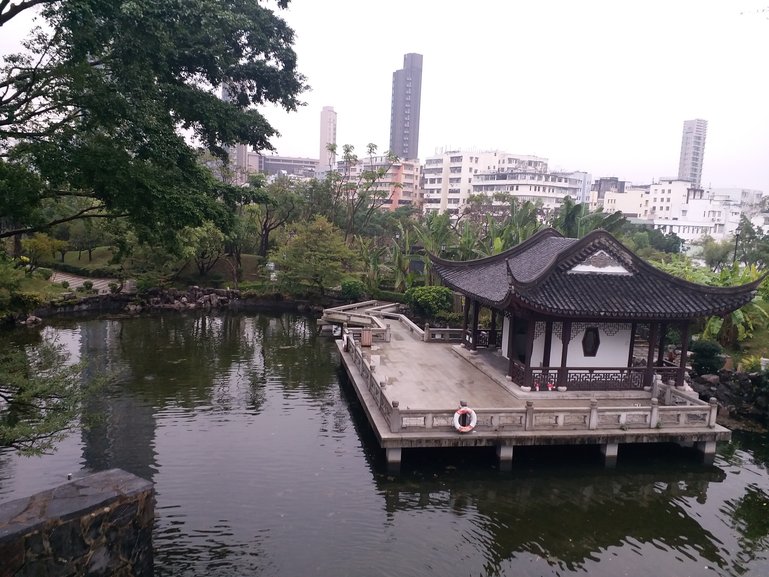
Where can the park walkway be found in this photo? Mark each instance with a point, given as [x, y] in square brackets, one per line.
[100, 285]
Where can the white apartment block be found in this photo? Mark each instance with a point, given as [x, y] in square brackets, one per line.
[543, 188]
[691, 212]
[631, 203]
[449, 177]
[400, 184]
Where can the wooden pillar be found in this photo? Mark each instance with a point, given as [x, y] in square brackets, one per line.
[493, 331]
[649, 374]
[465, 320]
[511, 347]
[476, 314]
[563, 371]
[661, 345]
[548, 343]
[684, 330]
[532, 324]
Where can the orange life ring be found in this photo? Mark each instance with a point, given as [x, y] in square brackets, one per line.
[468, 427]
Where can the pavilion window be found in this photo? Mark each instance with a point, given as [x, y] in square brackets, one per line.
[591, 341]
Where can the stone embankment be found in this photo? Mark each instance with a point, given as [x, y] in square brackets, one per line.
[744, 397]
[194, 298]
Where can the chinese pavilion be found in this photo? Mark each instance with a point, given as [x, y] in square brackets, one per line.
[586, 314]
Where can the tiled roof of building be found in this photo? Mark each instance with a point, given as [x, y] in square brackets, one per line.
[592, 277]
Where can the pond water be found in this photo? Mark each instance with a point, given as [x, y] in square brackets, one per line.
[264, 464]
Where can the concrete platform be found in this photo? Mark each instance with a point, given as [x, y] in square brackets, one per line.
[410, 390]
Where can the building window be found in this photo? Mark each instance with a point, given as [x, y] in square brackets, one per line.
[591, 341]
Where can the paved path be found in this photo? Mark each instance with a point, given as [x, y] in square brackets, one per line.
[101, 285]
[431, 375]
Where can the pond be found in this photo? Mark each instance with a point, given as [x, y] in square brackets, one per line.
[264, 464]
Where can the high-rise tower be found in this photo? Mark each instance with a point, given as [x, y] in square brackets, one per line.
[327, 136]
[692, 150]
[404, 114]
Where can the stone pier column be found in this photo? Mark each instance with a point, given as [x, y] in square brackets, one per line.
[609, 452]
[708, 450]
[505, 454]
[393, 456]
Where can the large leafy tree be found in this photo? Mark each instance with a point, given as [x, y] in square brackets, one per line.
[95, 106]
[40, 395]
[314, 254]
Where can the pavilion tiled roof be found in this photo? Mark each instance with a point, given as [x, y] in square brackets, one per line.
[593, 277]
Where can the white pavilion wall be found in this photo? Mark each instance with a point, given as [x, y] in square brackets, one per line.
[612, 352]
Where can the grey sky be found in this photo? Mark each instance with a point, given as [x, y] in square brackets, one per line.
[601, 86]
[597, 85]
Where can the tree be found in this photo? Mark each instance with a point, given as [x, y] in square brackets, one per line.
[716, 254]
[40, 396]
[278, 207]
[358, 188]
[93, 107]
[314, 254]
[574, 220]
[205, 244]
[40, 248]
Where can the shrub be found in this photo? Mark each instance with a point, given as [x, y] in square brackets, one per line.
[114, 287]
[25, 302]
[45, 273]
[706, 357]
[352, 289]
[88, 285]
[451, 319]
[430, 300]
[751, 363]
[385, 295]
[64, 284]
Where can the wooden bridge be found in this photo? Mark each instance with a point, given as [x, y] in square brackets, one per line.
[412, 380]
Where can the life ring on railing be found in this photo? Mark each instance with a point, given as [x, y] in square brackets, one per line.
[461, 417]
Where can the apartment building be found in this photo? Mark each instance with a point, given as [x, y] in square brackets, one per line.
[400, 184]
[448, 176]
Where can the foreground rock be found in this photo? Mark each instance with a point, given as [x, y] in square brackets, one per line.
[744, 397]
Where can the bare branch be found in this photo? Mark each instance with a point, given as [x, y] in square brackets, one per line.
[16, 9]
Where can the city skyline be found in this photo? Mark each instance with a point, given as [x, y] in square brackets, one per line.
[598, 86]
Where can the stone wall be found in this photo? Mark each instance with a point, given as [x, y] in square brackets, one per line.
[99, 525]
[744, 396]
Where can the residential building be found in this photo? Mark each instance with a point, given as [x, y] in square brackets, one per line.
[602, 186]
[692, 150]
[448, 176]
[631, 202]
[286, 165]
[544, 188]
[400, 185]
[405, 109]
[327, 137]
[691, 212]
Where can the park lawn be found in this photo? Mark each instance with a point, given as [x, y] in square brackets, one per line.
[221, 273]
[44, 288]
[102, 256]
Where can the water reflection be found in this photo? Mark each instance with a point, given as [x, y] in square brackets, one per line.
[264, 464]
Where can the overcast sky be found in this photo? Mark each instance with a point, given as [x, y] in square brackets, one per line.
[599, 86]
